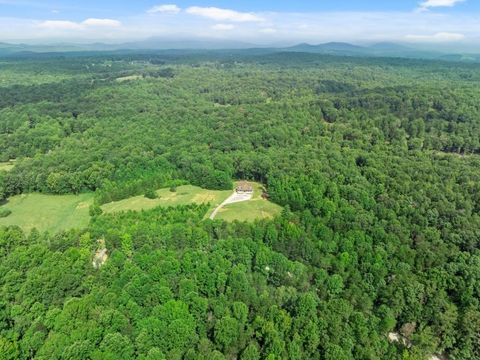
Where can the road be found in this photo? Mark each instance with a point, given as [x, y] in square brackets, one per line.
[234, 198]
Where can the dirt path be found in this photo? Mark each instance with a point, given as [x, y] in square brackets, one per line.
[234, 198]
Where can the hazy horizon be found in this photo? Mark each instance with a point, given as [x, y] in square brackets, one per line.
[447, 24]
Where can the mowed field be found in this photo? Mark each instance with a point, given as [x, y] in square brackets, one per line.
[255, 209]
[48, 212]
[7, 166]
[55, 213]
[184, 195]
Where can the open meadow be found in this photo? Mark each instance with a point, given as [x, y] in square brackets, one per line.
[51, 213]
[7, 166]
[62, 212]
[183, 195]
[254, 209]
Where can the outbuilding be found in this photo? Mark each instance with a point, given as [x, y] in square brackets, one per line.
[244, 187]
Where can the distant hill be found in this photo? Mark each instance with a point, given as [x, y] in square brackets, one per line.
[166, 44]
[389, 46]
[382, 49]
[335, 48]
[461, 57]
[23, 48]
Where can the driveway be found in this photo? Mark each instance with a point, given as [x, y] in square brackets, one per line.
[234, 198]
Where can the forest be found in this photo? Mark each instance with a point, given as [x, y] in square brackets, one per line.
[375, 161]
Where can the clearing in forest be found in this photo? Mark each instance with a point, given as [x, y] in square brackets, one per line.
[250, 210]
[48, 212]
[129, 78]
[254, 209]
[184, 195]
[7, 166]
[55, 213]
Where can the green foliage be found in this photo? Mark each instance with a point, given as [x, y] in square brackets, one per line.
[184, 195]
[151, 194]
[5, 212]
[47, 212]
[375, 162]
[95, 210]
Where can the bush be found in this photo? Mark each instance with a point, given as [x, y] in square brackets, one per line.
[4, 213]
[173, 189]
[95, 210]
[151, 194]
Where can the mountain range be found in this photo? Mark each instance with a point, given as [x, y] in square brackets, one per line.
[384, 49]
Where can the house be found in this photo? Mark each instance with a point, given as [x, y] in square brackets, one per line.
[244, 187]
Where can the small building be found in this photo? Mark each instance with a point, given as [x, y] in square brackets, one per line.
[244, 187]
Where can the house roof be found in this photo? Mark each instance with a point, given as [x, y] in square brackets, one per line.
[244, 186]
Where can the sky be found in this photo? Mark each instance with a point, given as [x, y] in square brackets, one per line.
[253, 21]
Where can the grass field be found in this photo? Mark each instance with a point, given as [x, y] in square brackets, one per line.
[7, 166]
[48, 212]
[184, 195]
[254, 209]
[62, 212]
[257, 208]
[129, 78]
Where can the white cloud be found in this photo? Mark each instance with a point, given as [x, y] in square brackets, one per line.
[451, 29]
[71, 25]
[165, 9]
[218, 14]
[438, 37]
[102, 22]
[223, 27]
[268, 30]
[60, 25]
[439, 3]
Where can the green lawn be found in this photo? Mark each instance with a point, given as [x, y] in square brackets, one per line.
[7, 166]
[48, 212]
[255, 209]
[184, 195]
[252, 210]
[62, 212]
[129, 78]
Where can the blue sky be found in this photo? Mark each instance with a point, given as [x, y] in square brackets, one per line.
[41, 8]
[260, 21]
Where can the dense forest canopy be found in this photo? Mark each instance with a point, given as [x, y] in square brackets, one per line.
[375, 161]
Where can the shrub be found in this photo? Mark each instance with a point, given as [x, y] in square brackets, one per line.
[4, 213]
[151, 194]
[95, 210]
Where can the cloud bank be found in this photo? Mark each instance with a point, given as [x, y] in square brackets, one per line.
[171, 21]
[218, 14]
[70, 25]
[165, 9]
[438, 37]
[223, 27]
[440, 3]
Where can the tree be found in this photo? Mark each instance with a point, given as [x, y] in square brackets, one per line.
[151, 194]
